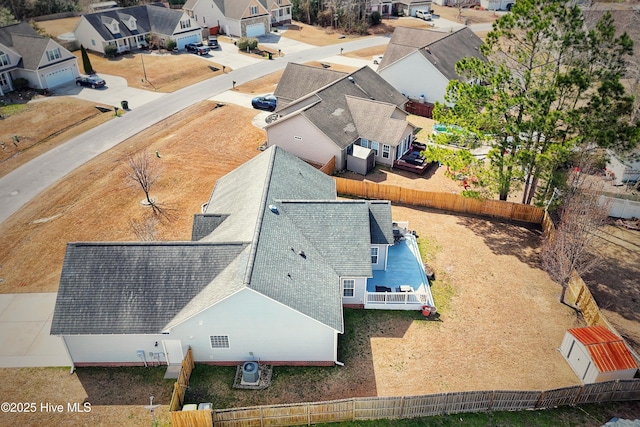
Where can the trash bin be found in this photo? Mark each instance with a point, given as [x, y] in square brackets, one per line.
[125, 105]
[269, 55]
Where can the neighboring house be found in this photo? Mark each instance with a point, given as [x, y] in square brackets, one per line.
[128, 28]
[323, 114]
[623, 169]
[420, 63]
[280, 11]
[40, 60]
[497, 4]
[398, 7]
[597, 355]
[239, 18]
[273, 259]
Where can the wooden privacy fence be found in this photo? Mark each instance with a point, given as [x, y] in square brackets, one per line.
[372, 408]
[330, 167]
[180, 386]
[443, 201]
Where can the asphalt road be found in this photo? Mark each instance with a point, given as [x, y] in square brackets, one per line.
[24, 183]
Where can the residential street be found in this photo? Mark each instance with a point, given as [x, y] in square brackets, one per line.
[29, 180]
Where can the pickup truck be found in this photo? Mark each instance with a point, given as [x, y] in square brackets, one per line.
[197, 48]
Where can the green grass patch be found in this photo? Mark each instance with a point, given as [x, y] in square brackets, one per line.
[12, 109]
[428, 247]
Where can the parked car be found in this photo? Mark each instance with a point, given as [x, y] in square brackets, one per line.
[212, 42]
[267, 103]
[197, 48]
[423, 14]
[90, 81]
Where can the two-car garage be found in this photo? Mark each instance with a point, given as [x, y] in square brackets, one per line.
[58, 77]
[255, 30]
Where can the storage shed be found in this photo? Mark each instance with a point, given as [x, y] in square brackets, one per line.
[597, 355]
[361, 161]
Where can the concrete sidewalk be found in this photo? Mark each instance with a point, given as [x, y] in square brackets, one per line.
[25, 322]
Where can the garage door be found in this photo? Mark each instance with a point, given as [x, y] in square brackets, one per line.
[181, 42]
[255, 30]
[59, 77]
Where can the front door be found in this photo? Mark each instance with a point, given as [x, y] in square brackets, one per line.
[173, 351]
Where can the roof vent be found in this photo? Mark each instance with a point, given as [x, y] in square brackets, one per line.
[351, 79]
[302, 254]
[426, 49]
[274, 209]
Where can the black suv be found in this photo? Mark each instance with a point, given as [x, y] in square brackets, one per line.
[197, 48]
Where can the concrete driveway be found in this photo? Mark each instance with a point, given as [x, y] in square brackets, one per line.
[113, 93]
[25, 322]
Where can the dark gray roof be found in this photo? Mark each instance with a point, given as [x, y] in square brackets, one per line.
[380, 222]
[332, 114]
[149, 18]
[274, 225]
[133, 288]
[30, 45]
[299, 80]
[443, 50]
[204, 224]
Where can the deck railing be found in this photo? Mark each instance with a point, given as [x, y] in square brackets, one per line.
[397, 298]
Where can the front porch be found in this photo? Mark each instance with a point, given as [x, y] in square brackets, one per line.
[404, 284]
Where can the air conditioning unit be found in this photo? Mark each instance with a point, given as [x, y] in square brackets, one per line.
[250, 373]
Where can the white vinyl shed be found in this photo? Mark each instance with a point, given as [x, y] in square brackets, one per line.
[597, 355]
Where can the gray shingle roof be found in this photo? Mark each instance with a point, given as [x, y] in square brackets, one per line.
[299, 80]
[204, 224]
[30, 45]
[375, 120]
[151, 287]
[380, 222]
[133, 288]
[444, 49]
[149, 18]
[332, 114]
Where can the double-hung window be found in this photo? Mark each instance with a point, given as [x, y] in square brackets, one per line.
[374, 255]
[385, 151]
[374, 147]
[348, 287]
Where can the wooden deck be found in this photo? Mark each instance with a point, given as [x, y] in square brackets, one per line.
[412, 161]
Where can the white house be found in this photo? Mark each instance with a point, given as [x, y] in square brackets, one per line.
[273, 259]
[597, 355]
[497, 4]
[623, 169]
[40, 60]
[240, 18]
[322, 114]
[128, 28]
[419, 63]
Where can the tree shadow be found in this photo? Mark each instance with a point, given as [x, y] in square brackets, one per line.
[503, 237]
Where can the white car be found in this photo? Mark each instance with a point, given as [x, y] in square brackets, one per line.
[423, 14]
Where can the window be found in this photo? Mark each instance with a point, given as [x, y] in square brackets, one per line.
[254, 10]
[3, 80]
[4, 59]
[185, 24]
[385, 151]
[93, 42]
[374, 255]
[53, 54]
[348, 287]
[364, 142]
[219, 341]
[288, 11]
[374, 147]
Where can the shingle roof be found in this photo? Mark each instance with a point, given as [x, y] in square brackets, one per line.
[134, 288]
[299, 80]
[443, 50]
[608, 351]
[380, 222]
[375, 120]
[30, 45]
[332, 114]
[151, 287]
[149, 18]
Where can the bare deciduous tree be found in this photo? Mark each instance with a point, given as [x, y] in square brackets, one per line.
[145, 229]
[573, 250]
[143, 172]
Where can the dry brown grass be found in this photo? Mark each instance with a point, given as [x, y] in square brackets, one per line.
[77, 207]
[167, 72]
[59, 26]
[43, 124]
[316, 36]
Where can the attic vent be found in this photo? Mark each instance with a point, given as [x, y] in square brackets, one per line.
[426, 49]
[274, 209]
[351, 79]
[302, 254]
